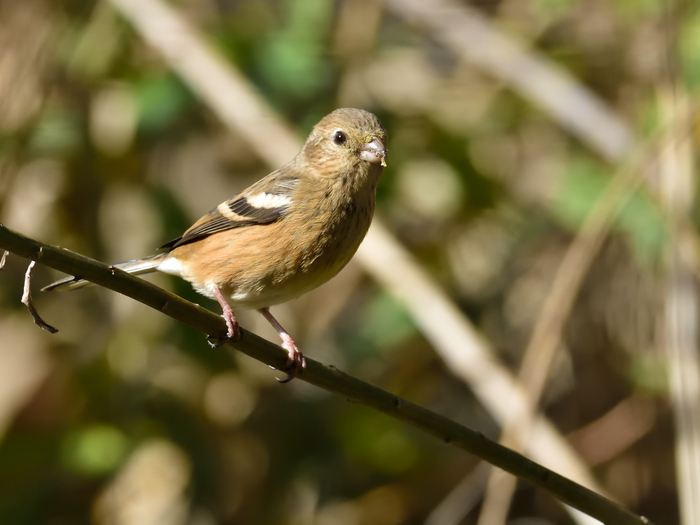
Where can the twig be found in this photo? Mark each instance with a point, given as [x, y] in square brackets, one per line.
[682, 303]
[29, 303]
[615, 431]
[326, 377]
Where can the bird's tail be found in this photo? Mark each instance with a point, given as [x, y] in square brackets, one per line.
[135, 267]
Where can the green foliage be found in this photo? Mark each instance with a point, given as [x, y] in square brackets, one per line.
[380, 443]
[384, 322]
[638, 219]
[160, 100]
[293, 60]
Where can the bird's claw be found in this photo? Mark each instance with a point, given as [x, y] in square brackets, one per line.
[233, 336]
[295, 362]
[216, 342]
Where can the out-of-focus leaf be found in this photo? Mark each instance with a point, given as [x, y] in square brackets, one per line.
[649, 372]
[584, 184]
[159, 99]
[57, 133]
[94, 450]
[385, 322]
[581, 188]
[377, 441]
[641, 221]
[293, 60]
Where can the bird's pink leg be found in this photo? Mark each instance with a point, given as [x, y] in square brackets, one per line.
[296, 362]
[234, 331]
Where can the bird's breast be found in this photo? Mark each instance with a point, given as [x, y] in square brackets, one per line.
[323, 243]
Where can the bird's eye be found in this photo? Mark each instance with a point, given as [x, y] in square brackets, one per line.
[340, 138]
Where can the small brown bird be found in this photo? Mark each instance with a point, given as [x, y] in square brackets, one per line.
[286, 234]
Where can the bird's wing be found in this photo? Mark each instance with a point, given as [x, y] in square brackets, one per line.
[262, 203]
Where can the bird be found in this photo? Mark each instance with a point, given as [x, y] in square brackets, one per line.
[284, 235]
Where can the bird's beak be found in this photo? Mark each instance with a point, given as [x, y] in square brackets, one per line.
[374, 152]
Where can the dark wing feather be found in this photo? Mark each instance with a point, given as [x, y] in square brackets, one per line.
[254, 215]
[279, 183]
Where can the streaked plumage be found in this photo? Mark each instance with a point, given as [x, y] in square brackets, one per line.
[286, 234]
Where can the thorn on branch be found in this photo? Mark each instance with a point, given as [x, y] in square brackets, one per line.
[29, 303]
[3, 259]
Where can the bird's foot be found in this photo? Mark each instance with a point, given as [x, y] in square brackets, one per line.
[233, 334]
[295, 363]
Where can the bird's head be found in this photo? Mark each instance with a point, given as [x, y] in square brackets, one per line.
[345, 141]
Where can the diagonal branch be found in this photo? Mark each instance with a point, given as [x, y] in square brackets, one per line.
[326, 377]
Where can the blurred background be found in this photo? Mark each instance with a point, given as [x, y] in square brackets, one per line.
[540, 184]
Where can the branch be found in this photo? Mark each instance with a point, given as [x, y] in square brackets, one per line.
[326, 377]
